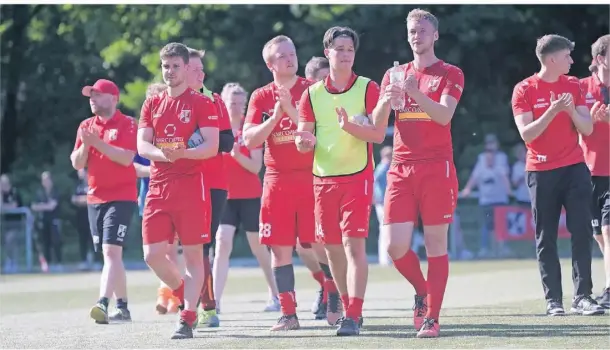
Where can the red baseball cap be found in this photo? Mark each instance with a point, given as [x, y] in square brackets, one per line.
[103, 86]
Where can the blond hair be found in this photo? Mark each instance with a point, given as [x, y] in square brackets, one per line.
[155, 89]
[276, 40]
[232, 89]
[419, 14]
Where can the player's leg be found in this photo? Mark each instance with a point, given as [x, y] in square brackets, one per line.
[320, 252]
[174, 256]
[207, 313]
[99, 312]
[437, 194]
[601, 229]
[355, 213]
[383, 241]
[576, 202]
[400, 214]
[249, 212]
[310, 260]
[328, 231]
[224, 247]
[277, 229]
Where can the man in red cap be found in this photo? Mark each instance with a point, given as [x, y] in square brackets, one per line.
[106, 145]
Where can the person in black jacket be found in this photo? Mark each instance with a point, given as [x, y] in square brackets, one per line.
[46, 204]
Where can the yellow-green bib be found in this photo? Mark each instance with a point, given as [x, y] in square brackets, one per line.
[338, 153]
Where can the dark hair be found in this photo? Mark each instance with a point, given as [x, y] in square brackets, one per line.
[335, 32]
[175, 50]
[552, 43]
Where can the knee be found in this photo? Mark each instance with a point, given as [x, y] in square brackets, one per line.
[282, 255]
[112, 253]
[355, 247]
[436, 243]
[153, 256]
[193, 255]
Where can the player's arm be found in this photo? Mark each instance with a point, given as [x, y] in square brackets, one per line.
[442, 112]
[142, 170]
[529, 129]
[381, 112]
[285, 100]
[116, 154]
[254, 163]
[144, 140]
[207, 120]
[304, 138]
[367, 133]
[257, 130]
[226, 137]
[581, 117]
[79, 155]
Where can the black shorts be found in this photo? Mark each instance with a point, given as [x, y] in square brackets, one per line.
[244, 212]
[600, 205]
[109, 222]
[219, 199]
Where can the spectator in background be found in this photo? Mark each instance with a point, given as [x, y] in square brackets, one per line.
[46, 206]
[491, 178]
[493, 146]
[317, 68]
[381, 172]
[11, 224]
[85, 242]
[521, 193]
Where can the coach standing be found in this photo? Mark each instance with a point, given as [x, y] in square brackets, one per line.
[550, 111]
[106, 145]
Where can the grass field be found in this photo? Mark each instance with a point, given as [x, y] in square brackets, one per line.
[489, 304]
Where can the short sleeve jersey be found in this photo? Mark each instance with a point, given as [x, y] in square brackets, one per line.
[596, 146]
[174, 120]
[417, 138]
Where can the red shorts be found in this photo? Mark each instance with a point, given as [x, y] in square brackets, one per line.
[287, 212]
[342, 210]
[177, 209]
[428, 190]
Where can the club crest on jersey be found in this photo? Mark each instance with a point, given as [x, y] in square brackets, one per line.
[433, 84]
[185, 116]
[112, 134]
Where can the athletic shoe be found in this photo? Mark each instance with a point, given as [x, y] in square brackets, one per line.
[286, 323]
[360, 321]
[317, 304]
[348, 327]
[321, 312]
[273, 305]
[334, 310]
[120, 315]
[429, 329]
[554, 308]
[604, 299]
[163, 296]
[207, 318]
[586, 306]
[420, 308]
[99, 312]
[183, 330]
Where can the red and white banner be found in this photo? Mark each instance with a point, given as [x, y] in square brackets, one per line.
[513, 223]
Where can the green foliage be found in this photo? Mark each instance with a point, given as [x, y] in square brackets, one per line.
[49, 52]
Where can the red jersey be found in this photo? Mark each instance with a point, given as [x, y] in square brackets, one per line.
[281, 154]
[596, 146]
[417, 137]
[557, 146]
[110, 181]
[242, 184]
[214, 170]
[174, 121]
[307, 115]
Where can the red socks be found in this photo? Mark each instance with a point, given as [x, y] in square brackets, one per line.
[409, 268]
[179, 292]
[345, 301]
[288, 304]
[438, 273]
[188, 316]
[354, 310]
[319, 276]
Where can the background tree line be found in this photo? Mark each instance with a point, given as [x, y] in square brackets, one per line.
[49, 52]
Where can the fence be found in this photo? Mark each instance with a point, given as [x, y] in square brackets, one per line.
[21, 235]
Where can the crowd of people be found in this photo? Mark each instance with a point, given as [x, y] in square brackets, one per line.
[198, 154]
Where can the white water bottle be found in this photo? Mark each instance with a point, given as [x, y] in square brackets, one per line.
[397, 76]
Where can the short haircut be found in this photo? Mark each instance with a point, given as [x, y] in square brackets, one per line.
[335, 32]
[419, 14]
[276, 40]
[194, 53]
[155, 89]
[175, 50]
[552, 43]
[232, 89]
[314, 65]
[599, 48]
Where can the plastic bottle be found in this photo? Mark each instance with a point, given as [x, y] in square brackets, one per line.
[397, 76]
